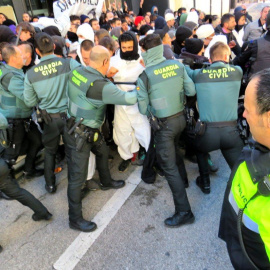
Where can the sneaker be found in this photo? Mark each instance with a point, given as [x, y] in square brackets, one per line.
[124, 165]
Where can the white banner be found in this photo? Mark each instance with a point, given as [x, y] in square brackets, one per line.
[77, 7]
[62, 9]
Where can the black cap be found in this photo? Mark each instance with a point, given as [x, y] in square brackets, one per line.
[193, 45]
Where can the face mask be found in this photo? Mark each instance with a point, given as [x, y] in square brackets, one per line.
[72, 36]
[129, 55]
[80, 40]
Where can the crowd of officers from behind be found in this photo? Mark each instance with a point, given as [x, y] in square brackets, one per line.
[72, 100]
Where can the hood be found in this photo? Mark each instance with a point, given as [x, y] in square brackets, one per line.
[152, 9]
[153, 56]
[52, 31]
[6, 34]
[196, 58]
[133, 55]
[87, 31]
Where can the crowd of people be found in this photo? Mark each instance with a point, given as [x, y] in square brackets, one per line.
[149, 84]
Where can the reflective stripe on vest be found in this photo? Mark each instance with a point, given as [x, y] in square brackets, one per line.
[247, 221]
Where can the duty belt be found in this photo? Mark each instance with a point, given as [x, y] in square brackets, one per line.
[17, 120]
[58, 115]
[83, 127]
[172, 116]
[222, 124]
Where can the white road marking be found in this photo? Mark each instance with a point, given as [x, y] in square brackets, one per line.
[74, 253]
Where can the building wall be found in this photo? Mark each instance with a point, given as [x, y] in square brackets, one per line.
[203, 5]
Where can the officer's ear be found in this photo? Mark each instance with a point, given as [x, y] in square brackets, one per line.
[268, 119]
[38, 52]
[105, 61]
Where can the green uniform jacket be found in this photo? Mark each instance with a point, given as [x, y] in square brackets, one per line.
[12, 103]
[46, 83]
[217, 88]
[163, 84]
[3, 122]
[88, 94]
[253, 165]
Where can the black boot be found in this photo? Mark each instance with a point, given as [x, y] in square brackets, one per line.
[186, 184]
[1, 249]
[203, 183]
[180, 218]
[82, 225]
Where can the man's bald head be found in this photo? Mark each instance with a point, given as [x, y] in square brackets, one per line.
[100, 59]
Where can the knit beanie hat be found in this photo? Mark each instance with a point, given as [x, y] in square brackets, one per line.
[193, 17]
[115, 33]
[83, 17]
[190, 25]
[182, 33]
[193, 45]
[160, 23]
[160, 32]
[183, 18]
[138, 20]
[169, 16]
[204, 31]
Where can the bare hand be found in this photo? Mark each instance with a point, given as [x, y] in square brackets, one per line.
[232, 44]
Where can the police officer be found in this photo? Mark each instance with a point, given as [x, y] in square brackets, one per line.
[245, 219]
[14, 108]
[161, 89]
[217, 88]
[10, 187]
[88, 94]
[45, 85]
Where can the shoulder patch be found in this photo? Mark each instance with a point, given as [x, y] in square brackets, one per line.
[144, 78]
[96, 88]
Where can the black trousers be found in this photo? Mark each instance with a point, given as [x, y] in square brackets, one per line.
[11, 188]
[78, 167]
[24, 143]
[166, 141]
[51, 138]
[226, 139]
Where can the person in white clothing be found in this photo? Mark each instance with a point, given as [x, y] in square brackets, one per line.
[238, 32]
[131, 128]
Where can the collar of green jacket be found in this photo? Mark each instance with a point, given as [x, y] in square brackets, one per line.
[3, 122]
[14, 69]
[219, 64]
[47, 57]
[153, 56]
[92, 70]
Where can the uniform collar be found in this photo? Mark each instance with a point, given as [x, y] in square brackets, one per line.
[219, 63]
[92, 70]
[14, 69]
[47, 57]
